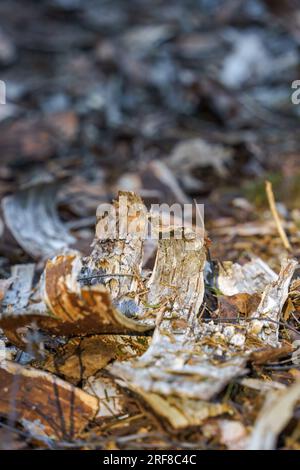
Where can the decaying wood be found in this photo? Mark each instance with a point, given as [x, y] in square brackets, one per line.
[31, 216]
[187, 359]
[106, 304]
[99, 294]
[250, 278]
[43, 403]
[176, 372]
[60, 305]
[274, 416]
[81, 358]
[112, 401]
[272, 302]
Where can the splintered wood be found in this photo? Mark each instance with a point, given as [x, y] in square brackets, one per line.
[177, 364]
[75, 296]
[102, 306]
[191, 360]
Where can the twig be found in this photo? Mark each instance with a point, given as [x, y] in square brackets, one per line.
[99, 276]
[274, 211]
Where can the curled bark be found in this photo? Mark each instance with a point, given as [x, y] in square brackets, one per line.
[43, 403]
[31, 216]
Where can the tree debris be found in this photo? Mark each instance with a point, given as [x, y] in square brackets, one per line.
[43, 403]
[31, 216]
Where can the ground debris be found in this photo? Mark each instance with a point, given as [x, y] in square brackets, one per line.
[31, 216]
[274, 416]
[62, 415]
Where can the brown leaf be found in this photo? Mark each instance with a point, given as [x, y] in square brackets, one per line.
[81, 358]
[239, 304]
[268, 354]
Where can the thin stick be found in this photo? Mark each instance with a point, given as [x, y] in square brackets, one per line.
[274, 211]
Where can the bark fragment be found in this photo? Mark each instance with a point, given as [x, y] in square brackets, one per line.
[274, 416]
[271, 305]
[100, 294]
[45, 404]
[31, 216]
[176, 371]
[191, 360]
[251, 278]
[81, 358]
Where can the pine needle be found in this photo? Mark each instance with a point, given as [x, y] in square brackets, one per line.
[275, 214]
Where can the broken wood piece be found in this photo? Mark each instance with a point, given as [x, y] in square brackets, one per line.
[265, 319]
[176, 372]
[59, 305]
[188, 359]
[250, 278]
[81, 358]
[44, 404]
[274, 416]
[112, 401]
[104, 293]
[97, 295]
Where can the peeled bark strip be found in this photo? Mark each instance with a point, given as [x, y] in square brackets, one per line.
[112, 401]
[61, 306]
[79, 310]
[272, 302]
[274, 416]
[100, 294]
[190, 361]
[117, 256]
[43, 403]
[251, 278]
[177, 374]
[31, 216]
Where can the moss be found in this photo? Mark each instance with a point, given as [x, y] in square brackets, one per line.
[286, 189]
[254, 191]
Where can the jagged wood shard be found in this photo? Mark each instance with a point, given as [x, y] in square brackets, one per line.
[100, 294]
[271, 305]
[275, 414]
[250, 278]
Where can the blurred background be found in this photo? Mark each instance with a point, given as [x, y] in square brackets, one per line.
[178, 100]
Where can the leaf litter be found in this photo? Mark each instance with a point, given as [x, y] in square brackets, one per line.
[97, 322]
